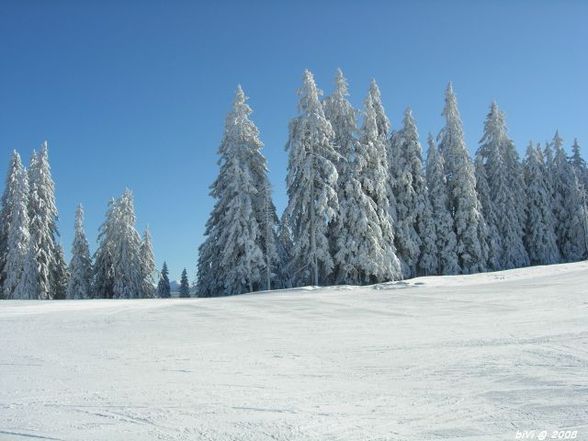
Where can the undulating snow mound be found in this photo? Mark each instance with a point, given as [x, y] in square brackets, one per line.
[438, 358]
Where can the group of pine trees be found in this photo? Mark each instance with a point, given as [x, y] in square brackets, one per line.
[363, 206]
[123, 263]
[32, 265]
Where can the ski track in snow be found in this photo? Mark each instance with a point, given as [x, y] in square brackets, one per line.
[469, 358]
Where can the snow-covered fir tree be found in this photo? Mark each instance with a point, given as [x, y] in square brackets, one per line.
[209, 282]
[428, 263]
[5, 214]
[447, 261]
[461, 183]
[382, 121]
[269, 223]
[59, 274]
[28, 284]
[15, 225]
[240, 245]
[571, 214]
[383, 127]
[312, 187]
[103, 271]
[515, 170]
[342, 116]
[43, 225]
[503, 205]
[147, 265]
[80, 266]
[129, 281]
[284, 249]
[492, 240]
[581, 170]
[118, 271]
[540, 237]
[374, 177]
[264, 208]
[184, 284]
[410, 192]
[364, 234]
[579, 165]
[163, 286]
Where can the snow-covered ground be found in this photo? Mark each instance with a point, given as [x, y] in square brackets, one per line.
[438, 358]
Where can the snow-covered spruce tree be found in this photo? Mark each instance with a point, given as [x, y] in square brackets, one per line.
[382, 121]
[342, 116]
[209, 282]
[6, 209]
[312, 187]
[504, 204]
[410, 192]
[103, 271]
[80, 266]
[383, 126]
[492, 240]
[5, 215]
[374, 176]
[461, 184]
[163, 286]
[514, 169]
[15, 223]
[43, 224]
[284, 248]
[184, 284]
[548, 158]
[242, 225]
[59, 274]
[264, 208]
[571, 214]
[269, 222]
[558, 171]
[579, 165]
[129, 279]
[540, 237]
[147, 265]
[364, 234]
[428, 263]
[28, 284]
[447, 261]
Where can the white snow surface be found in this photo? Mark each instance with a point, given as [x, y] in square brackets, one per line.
[437, 358]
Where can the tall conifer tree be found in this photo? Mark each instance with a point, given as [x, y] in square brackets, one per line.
[80, 267]
[239, 251]
[15, 223]
[312, 186]
[504, 208]
[540, 236]
[447, 260]
[461, 183]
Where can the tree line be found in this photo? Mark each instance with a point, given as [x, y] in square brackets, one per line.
[363, 207]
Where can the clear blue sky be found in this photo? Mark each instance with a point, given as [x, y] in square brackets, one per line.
[134, 93]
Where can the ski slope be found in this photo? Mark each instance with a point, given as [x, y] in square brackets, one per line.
[467, 358]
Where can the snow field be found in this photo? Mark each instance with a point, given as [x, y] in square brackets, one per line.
[469, 358]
